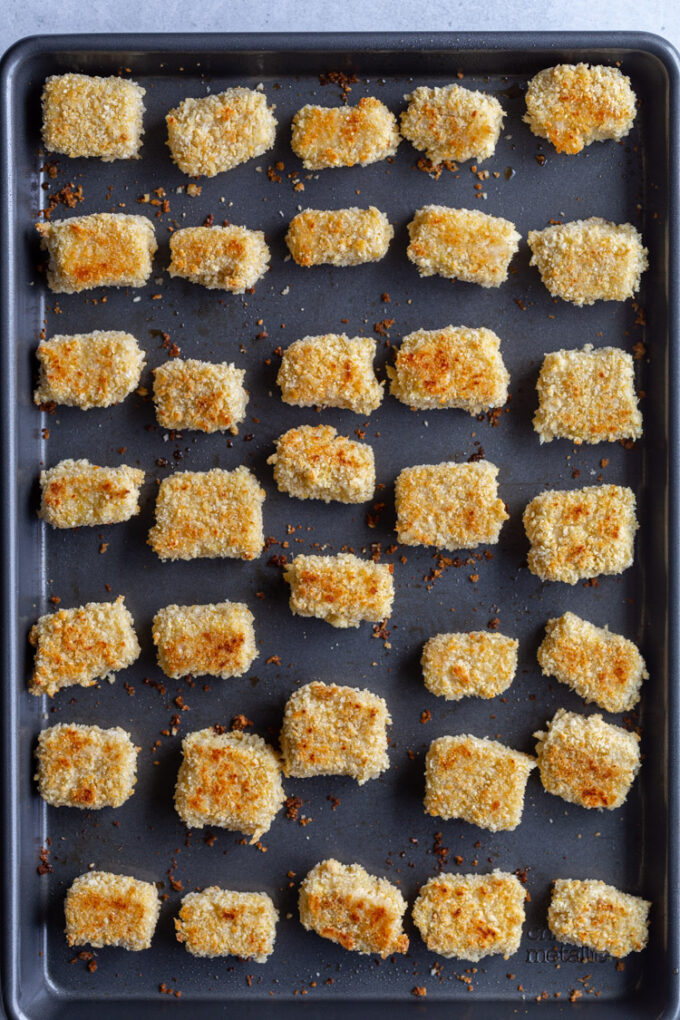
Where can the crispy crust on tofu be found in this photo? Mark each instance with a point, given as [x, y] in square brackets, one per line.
[343, 590]
[573, 105]
[590, 913]
[331, 371]
[230, 780]
[88, 370]
[334, 731]
[191, 394]
[462, 244]
[452, 123]
[210, 514]
[76, 494]
[314, 462]
[219, 258]
[103, 909]
[328, 136]
[85, 766]
[478, 780]
[580, 533]
[347, 905]
[221, 922]
[84, 115]
[339, 237]
[475, 664]
[213, 639]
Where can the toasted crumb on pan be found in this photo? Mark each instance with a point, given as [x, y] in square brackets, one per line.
[331, 371]
[103, 909]
[314, 462]
[84, 115]
[339, 237]
[221, 922]
[452, 123]
[462, 244]
[88, 370]
[219, 258]
[191, 394]
[344, 590]
[476, 664]
[85, 766]
[590, 913]
[213, 639]
[75, 494]
[328, 136]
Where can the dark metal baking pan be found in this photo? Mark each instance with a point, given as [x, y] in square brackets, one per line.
[382, 825]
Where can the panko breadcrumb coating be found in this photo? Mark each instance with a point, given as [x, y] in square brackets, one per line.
[331, 371]
[451, 367]
[462, 244]
[589, 260]
[452, 123]
[77, 494]
[103, 909]
[580, 533]
[85, 766]
[453, 506]
[221, 922]
[347, 905]
[191, 394]
[468, 917]
[87, 370]
[213, 639]
[573, 105]
[334, 731]
[478, 780]
[230, 780]
[219, 258]
[214, 133]
[328, 136]
[101, 250]
[590, 913]
[84, 115]
[343, 590]
[210, 514]
[314, 462]
[477, 664]
[339, 237]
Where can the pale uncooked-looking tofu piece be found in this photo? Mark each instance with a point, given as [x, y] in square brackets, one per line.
[222, 922]
[103, 909]
[84, 115]
[580, 533]
[476, 779]
[328, 136]
[343, 590]
[468, 917]
[587, 761]
[87, 370]
[347, 905]
[101, 250]
[452, 123]
[213, 639]
[334, 731]
[599, 666]
[589, 260]
[210, 514]
[587, 912]
[85, 766]
[331, 371]
[219, 258]
[314, 462]
[229, 780]
[453, 506]
[456, 366]
[339, 237]
[477, 664]
[573, 105]
[214, 133]
[191, 394]
[462, 244]
[77, 494]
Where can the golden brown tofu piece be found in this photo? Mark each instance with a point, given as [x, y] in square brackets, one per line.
[213, 639]
[103, 909]
[343, 590]
[462, 244]
[219, 258]
[191, 394]
[331, 371]
[314, 462]
[339, 237]
[328, 136]
[85, 766]
[77, 494]
[590, 913]
[452, 123]
[221, 922]
[87, 370]
[84, 115]
[477, 664]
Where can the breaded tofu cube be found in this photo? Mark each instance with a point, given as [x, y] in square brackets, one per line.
[101, 250]
[590, 913]
[209, 514]
[587, 761]
[191, 394]
[453, 506]
[221, 922]
[213, 639]
[84, 115]
[103, 909]
[314, 462]
[462, 244]
[219, 258]
[335, 731]
[81, 646]
[347, 905]
[328, 136]
[587, 396]
[451, 367]
[339, 237]
[85, 766]
[331, 371]
[230, 780]
[580, 533]
[573, 105]
[215, 133]
[599, 666]
[589, 260]
[478, 780]
[77, 494]
[468, 917]
[343, 590]
[477, 664]
[452, 123]
[87, 370]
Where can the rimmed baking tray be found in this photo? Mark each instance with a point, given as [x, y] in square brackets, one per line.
[382, 825]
